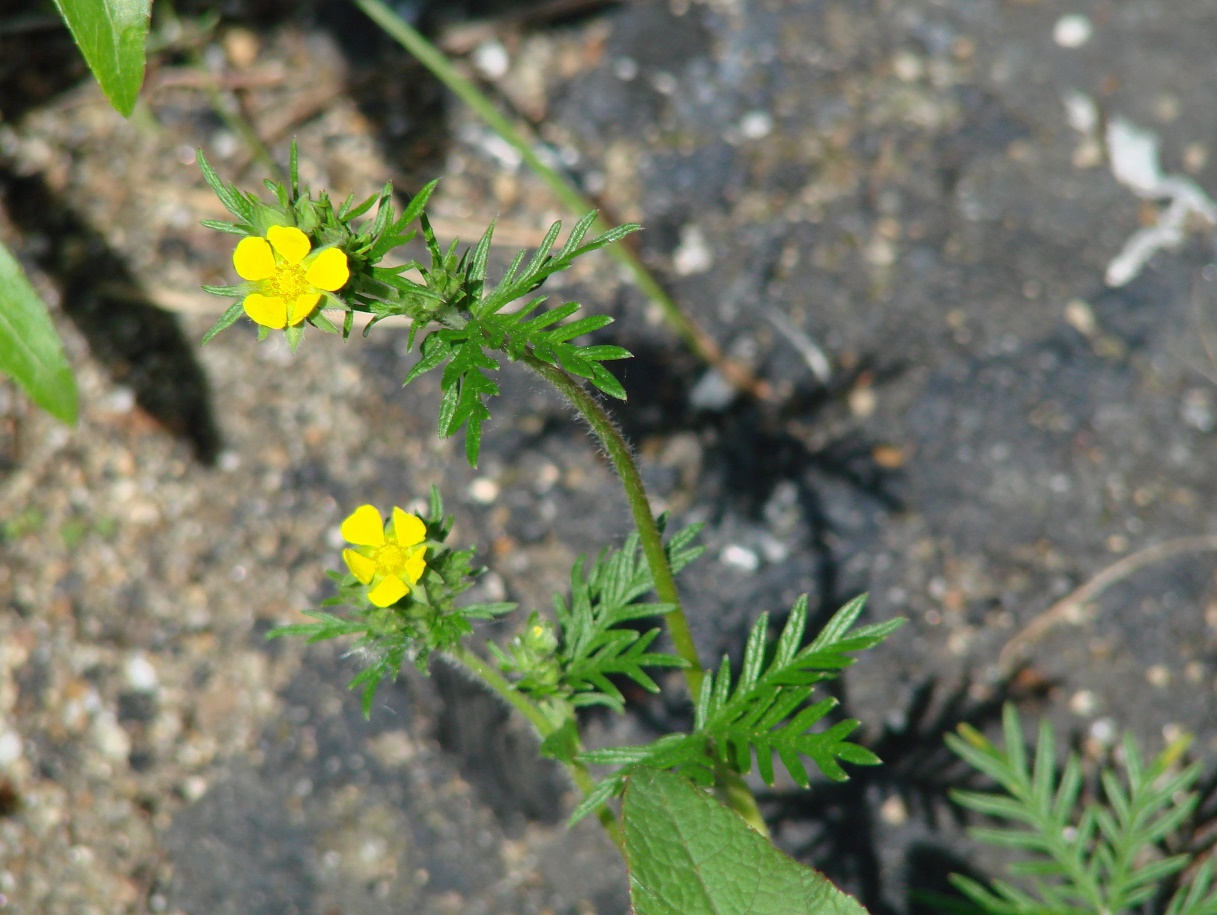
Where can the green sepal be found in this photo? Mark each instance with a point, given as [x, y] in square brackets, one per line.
[227, 320]
[563, 743]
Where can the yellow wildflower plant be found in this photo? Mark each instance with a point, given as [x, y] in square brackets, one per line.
[388, 557]
[288, 281]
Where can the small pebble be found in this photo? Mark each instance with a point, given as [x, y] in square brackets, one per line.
[625, 69]
[491, 59]
[10, 748]
[1083, 702]
[739, 557]
[712, 392]
[1158, 675]
[894, 811]
[1072, 31]
[755, 125]
[693, 254]
[483, 490]
[1103, 730]
[140, 674]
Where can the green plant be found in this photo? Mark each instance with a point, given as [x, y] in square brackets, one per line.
[301, 256]
[1091, 857]
[111, 34]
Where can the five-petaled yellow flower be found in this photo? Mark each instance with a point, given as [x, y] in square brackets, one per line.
[288, 280]
[388, 557]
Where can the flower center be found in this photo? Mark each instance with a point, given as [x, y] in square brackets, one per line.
[391, 559]
[288, 283]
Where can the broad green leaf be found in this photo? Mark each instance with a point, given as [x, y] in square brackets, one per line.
[111, 36]
[30, 350]
[689, 855]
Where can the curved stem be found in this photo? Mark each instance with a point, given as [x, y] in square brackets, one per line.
[498, 683]
[735, 791]
[640, 507]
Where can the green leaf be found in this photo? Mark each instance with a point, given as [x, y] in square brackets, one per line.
[227, 320]
[30, 350]
[111, 36]
[689, 855]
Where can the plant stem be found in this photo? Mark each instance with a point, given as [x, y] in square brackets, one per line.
[640, 507]
[734, 790]
[701, 343]
[498, 683]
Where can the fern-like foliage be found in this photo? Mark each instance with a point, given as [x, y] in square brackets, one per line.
[475, 322]
[768, 711]
[427, 620]
[1081, 858]
[595, 640]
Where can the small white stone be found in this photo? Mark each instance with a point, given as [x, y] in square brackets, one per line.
[483, 490]
[756, 124]
[140, 674]
[664, 83]
[1083, 703]
[739, 557]
[693, 254]
[121, 401]
[625, 69]
[894, 811]
[1080, 317]
[193, 788]
[1072, 31]
[10, 748]
[712, 392]
[1158, 675]
[491, 59]
[908, 67]
[110, 738]
[1103, 730]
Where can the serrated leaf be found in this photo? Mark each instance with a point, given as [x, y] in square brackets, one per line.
[30, 350]
[689, 855]
[111, 35]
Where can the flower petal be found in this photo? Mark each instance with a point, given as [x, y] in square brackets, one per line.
[267, 310]
[361, 567]
[329, 270]
[302, 306]
[416, 565]
[253, 259]
[407, 529]
[289, 243]
[389, 591]
[364, 527]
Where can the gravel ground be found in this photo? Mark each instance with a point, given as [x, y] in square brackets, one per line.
[884, 209]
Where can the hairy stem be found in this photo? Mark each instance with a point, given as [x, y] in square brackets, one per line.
[701, 343]
[640, 507]
[498, 683]
[734, 791]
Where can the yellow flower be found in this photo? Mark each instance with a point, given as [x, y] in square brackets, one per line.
[388, 557]
[287, 279]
